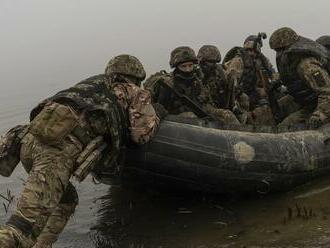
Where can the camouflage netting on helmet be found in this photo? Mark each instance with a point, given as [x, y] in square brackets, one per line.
[181, 55]
[209, 53]
[282, 38]
[126, 65]
[324, 41]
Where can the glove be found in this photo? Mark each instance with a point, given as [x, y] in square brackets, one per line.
[317, 119]
[160, 110]
[274, 85]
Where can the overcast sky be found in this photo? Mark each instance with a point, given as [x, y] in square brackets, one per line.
[56, 43]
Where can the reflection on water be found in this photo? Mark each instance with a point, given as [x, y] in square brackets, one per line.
[121, 217]
[128, 218]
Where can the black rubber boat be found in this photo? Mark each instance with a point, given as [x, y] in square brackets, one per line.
[198, 155]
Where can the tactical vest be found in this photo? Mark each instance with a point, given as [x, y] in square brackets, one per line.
[152, 84]
[217, 86]
[171, 102]
[287, 63]
[95, 98]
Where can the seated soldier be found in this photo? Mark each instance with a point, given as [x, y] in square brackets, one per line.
[214, 78]
[302, 64]
[249, 70]
[325, 41]
[181, 92]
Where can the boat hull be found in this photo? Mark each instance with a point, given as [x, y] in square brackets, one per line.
[194, 157]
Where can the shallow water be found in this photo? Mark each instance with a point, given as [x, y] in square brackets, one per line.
[121, 217]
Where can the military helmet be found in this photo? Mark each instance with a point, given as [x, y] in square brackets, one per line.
[282, 38]
[324, 41]
[251, 42]
[209, 53]
[126, 65]
[181, 55]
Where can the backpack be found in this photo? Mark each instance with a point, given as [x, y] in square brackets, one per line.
[151, 83]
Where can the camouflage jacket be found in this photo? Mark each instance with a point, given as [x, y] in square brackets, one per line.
[238, 64]
[166, 97]
[311, 87]
[114, 110]
[217, 86]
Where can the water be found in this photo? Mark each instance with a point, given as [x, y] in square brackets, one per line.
[121, 217]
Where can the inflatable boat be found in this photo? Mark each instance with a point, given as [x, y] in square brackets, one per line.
[198, 154]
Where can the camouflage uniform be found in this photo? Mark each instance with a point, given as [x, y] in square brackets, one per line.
[214, 78]
[245, 69]
[325, 41]
[108, 105]
[302, 66]
[162, 86]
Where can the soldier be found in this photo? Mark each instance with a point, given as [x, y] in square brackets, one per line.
[302, 66]
[325, 41]
[106, 111]
[250, 70]
[181, 90]
[214, 79]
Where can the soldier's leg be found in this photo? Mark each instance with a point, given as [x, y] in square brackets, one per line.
[287, 106]
[261, 94]
[58, 218]
[187, 115]
[244, 102]
[224, 116]
[262, 116]
[51, 170]
[241, 108]
[297, 118]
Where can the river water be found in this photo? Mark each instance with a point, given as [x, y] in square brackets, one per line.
[140, 218]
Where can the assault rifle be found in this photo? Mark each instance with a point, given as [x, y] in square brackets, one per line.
[269, 88]
[194, 106]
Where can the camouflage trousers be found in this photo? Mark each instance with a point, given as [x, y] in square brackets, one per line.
[292, 112]
[225, 116]
[48, 198]
[299, 117]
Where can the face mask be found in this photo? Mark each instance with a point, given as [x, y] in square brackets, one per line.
[207, 68]
[184, 75]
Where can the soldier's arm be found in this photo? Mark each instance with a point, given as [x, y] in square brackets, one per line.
[143, 119]
[312, 71]
[234, 68]
[163, 96]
